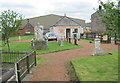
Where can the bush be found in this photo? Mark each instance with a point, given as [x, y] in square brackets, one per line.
[117, 39]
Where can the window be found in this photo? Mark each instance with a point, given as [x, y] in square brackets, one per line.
[28, 31]
[28, 26]
[76, 30]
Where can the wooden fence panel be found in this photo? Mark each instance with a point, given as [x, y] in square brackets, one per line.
[32, 60]
[24, 61]
[22, 68]
[25, 64]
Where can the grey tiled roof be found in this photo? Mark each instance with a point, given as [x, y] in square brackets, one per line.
[49, 20]
[65, 21]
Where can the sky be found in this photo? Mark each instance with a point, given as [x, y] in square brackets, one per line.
[81, 9]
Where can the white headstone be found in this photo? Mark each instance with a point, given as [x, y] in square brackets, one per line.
[61, 43]
[97, 43]
[19, 37]
[97, 51]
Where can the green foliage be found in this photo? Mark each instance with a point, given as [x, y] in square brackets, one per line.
[74, 35]
[10, 22]
[97, 68]
[109, 15]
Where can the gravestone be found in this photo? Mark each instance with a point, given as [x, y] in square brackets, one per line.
[97, 51]
[19, 38]
[60, 40]
[61, 43]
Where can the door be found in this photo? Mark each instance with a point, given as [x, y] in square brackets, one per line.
[67, 33]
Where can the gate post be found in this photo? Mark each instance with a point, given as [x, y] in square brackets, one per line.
[18, 73]
[35, 58]
[28, 70]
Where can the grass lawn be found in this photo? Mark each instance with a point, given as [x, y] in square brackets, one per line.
[11, 57]
[26, 46]
[97, 68]
[27, 37]
[39, 60]
[86, 40]
[53, 47]
[0, 45]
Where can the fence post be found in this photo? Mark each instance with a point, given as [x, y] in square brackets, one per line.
[35, 58]
[18, 73]
[28, 64]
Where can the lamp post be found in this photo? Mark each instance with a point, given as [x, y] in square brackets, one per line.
[75, 38]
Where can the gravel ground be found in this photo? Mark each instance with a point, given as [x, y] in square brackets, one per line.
[53, 67]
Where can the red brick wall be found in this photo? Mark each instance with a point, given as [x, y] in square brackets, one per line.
[20, 32]
[25, 29]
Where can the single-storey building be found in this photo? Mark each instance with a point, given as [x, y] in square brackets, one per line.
[60, 25]
[65, 27]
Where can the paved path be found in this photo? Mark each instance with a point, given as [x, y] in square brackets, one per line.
[53, 66]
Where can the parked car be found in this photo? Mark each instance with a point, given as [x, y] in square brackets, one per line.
[50, 36]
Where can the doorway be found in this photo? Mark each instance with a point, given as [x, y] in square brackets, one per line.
[67, 33]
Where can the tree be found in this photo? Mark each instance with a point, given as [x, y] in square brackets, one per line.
[109, 13]
[10, 22]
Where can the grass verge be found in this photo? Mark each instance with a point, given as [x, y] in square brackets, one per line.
[97, 68]
[26, 37]
[90, 41]
[39, 60]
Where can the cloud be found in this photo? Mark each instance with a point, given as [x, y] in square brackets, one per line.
[31, 8]
[16, 5]
[79, 9]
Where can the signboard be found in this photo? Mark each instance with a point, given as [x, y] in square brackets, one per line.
[105, 37]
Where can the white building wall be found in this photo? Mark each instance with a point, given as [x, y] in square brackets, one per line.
[62, 31]
[78, 34]
[71, 32]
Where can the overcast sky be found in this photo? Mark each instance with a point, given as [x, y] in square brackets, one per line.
[81, 9]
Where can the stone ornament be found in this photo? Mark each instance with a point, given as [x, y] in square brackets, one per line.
[38, 32]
